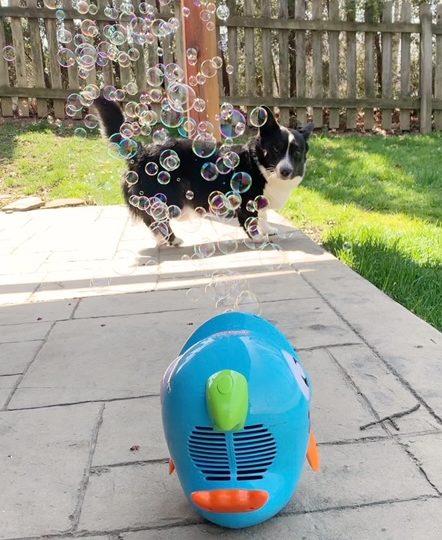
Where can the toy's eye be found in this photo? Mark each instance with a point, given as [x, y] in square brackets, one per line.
[299, 374]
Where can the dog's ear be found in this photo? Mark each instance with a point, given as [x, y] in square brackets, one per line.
[307, 130]
[270, 125]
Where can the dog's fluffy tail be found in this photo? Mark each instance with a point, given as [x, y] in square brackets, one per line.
[111, 118]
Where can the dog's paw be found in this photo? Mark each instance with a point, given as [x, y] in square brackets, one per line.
[176, 242]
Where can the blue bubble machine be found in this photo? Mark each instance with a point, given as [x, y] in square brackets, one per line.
[236, 417]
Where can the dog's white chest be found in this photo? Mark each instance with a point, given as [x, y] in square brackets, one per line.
[277, 191]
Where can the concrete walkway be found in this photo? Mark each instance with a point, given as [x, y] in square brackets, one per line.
[88, 325]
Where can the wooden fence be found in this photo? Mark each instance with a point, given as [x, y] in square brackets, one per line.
[345, 66]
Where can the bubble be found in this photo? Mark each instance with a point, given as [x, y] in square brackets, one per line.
[124, 262]
[163, 178]
[234, 200]
[232, 124]
[127, 148]
[223, 12]
[205, 249]
[199, 105]
[181, 96]
[131, 88]
[151, 168]
[187, 128]
[248, 301]
[91, 92]
[51, 4]
[66, 58]
[218, 61]
[258, 117]
[174, 73]
[241, 182]
[250, 206]
[209, 172]
[209, 69]
[91, 121]
[169, 117]
[186, 11]
[169, 160]
[261, 202]
[80, 132]
[231, 160]
[221, 167]
[174, 212]
[159, 212]
[227, 247]
[154, 76]
[192, 56]
[347, 246]
[64, 36]
[195, 294]
[189, 195]
[89, 28]
[204, 145]
[131, 178]
[230, 69]
[8, 53]
[160, 136]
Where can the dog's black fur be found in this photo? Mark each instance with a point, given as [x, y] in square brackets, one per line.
[259, 158]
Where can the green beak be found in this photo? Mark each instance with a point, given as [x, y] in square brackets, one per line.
[227, 397]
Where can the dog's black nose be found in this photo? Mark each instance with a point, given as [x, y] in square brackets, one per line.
[285, 172]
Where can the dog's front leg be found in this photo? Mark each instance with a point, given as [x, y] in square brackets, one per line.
[264, 227]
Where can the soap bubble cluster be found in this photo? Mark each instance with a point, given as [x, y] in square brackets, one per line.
[131, 59]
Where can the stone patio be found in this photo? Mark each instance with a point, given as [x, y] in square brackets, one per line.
[91, 314]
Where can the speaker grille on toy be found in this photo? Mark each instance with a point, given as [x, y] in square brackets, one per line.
[255, 450]
[209, 453]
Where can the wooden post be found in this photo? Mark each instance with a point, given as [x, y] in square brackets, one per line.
[351, 65]
[20, 60]
[333, 67]
[426, 78]
[284, 64]
[369, 68]
[438, 71]
[249, 51]
[405, 67]
[317, 63]
[197, 36]
[6, 102]
[301, 112]
[387, 64]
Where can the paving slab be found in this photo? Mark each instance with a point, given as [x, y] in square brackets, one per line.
[410, 520]
[335, 420]
[409, 345]
[15, 357]
[41, 311]
[427, 449]
[134, 496]
[22, 205]
[24, 332]
[7, 383]
[386, 394]
[105, 358]
[43, 456]
[350, 476]
[309, 322]
[128, 424]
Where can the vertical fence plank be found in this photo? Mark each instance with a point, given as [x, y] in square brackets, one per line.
[369, 68]
[317, 85]
[6, 102]
[249, 50]
[405, 67]
[37, 61]
[267, 71]
[20, 60]
[54, 66]
[107, 71]
[438, 70]
[351, 65]
[387, 64]
[333, 38]
[301, 112]
[284, 64]
[233, 52]
[426, 75]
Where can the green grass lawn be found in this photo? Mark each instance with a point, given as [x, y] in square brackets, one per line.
[374, 202]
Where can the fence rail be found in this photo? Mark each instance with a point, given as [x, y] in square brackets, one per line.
[344, 66]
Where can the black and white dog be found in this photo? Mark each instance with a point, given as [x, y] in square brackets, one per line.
[274, 159]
